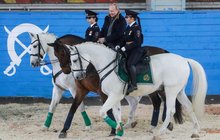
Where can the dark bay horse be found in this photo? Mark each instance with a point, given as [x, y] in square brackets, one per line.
[92, 83]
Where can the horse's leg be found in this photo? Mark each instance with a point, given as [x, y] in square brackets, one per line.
[80, 95]
[156, 101]
[109, 112]
[82, 111]
[170, 125]
[171, 95]
[86, 118]
[117, 112]
[57, 94]
[133, 103]
[183, 99]
[113, 99]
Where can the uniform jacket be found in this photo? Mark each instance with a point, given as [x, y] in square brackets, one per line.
[92, 33]
[132, 38]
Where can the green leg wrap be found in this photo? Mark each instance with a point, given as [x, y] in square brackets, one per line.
[113, 124]
[110, 122]
[86, 118]
[121, 132]
[48, 120]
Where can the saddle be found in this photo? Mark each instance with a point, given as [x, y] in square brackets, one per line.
[142, 68]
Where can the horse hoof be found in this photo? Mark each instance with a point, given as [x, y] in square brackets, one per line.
[88, 127]
[130, 125]
[127, 125]
[170, 126]
[195, 136]
[45, 128]
[62, 135]
[133, 124]
[156, 138]
[111, 134]
[116, 138]
[150, 131]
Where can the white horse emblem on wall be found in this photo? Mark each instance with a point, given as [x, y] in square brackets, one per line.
[13, 38]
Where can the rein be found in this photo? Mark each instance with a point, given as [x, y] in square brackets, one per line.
[100, 71]
[42, 63]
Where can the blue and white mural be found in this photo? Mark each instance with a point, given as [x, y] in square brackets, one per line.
[13, 39]
[190, 34]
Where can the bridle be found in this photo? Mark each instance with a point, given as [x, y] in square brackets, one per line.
[81, 69]
[66, 54]
[38, 54]
[39, 48]
[80, 57]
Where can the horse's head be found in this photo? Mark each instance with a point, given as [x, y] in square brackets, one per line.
[38, 48]
[79, 63]
[63, 55]
[61, 51]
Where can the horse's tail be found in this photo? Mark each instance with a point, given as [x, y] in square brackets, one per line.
[199, 87]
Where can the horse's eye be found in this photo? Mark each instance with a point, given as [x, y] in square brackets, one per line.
[35, 46]
[74, 61]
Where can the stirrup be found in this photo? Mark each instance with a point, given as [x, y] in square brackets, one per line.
[131, 88]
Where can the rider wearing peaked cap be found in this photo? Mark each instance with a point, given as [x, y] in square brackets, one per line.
[92, 32]
[131, 13]
[131, 45]
[90, 13]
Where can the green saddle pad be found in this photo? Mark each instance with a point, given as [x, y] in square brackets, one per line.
[143, 77]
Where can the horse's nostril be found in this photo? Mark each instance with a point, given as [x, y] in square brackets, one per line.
[32, 64]
[77, 77]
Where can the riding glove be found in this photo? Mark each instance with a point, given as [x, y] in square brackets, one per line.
[123, 49]
[117, 47]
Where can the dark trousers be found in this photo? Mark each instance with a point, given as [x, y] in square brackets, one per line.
[133, 57]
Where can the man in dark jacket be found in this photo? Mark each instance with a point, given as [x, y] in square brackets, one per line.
[113, 28]
[92, 32]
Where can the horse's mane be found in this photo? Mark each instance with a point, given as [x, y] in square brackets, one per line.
[96, 44]
[71, 36]
[50, 34]
[46, 36]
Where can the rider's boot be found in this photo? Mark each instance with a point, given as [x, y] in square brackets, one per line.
[133, 85]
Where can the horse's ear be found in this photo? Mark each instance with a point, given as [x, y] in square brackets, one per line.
[31, 34]
[51, 44]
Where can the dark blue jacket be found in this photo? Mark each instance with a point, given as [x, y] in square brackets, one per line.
[133, 37]
[118, 29]
[92, 33]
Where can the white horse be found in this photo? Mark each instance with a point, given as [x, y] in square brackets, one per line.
[61, 81]
[170, 71]
[39, 48]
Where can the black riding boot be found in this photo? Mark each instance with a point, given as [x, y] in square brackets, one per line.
[133, 84]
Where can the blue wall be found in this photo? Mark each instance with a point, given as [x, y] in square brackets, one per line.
[193, 34]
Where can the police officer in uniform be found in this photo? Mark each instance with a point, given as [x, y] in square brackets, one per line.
[131, 45]
[92, 32]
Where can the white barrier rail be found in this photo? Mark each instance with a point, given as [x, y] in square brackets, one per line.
[69, 7]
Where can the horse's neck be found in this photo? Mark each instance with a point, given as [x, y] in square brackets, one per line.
[102, 57]
[55, 65]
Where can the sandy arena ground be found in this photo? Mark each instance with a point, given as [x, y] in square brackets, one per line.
[25, 121]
